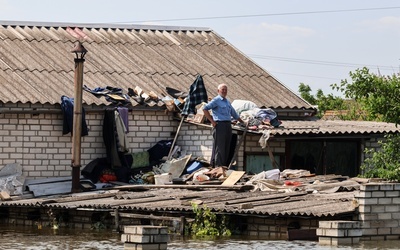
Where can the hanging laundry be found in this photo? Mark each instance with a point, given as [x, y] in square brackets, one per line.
[67, 108]
[109, 137]
[197, 94]
[122, 142]
[124, 112]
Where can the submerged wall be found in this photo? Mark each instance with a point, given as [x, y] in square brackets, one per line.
[379, 211]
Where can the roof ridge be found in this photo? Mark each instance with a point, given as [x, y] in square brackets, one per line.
[102, 25]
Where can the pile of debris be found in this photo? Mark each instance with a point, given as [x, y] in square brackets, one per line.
[11, 180]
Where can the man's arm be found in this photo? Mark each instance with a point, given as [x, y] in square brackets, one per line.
[209, 117]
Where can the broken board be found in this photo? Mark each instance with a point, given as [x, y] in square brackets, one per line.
[233, 178]
[4, 196]
[176, 166]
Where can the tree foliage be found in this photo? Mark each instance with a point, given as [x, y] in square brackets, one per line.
[368, 97]
[324, 102]
[378, 95]
[384, 163]
[207, 223]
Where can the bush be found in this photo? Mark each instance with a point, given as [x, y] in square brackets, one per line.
[384, 163]
[207, 223]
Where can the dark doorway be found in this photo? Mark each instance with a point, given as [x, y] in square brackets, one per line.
[324, 156]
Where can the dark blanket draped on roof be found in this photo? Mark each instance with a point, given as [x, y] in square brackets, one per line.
[197, 94]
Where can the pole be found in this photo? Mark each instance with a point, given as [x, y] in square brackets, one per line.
[77, 126]
[238, 146]
[176, 136]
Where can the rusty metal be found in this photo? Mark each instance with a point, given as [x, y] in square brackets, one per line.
[80, 52]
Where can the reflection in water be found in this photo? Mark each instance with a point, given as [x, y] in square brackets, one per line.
[34, 239]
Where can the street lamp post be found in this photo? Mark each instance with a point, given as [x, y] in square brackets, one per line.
[80, 52]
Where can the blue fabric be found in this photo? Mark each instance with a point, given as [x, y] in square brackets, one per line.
[266, 114]
[197, 94]
[222, 109]
[67, 108]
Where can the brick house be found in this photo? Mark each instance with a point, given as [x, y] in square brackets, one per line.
[37, 68]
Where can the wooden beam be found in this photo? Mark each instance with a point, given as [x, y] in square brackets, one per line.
[192, 187]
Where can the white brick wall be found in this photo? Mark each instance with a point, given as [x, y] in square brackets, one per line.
[36, 141]
[379, 211]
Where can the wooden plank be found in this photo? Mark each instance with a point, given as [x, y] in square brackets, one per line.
[4, 196]
[191, 187]
[233, 178]
[81, 197]
[176, 136]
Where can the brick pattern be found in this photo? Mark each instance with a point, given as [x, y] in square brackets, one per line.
[35, 217]
[275, 228]
[145, 237]
[379, 211]
[37, 143]
[339, 232]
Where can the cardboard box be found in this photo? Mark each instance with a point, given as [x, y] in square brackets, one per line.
[199, 118]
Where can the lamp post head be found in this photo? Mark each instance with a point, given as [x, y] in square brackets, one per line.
[79, 51]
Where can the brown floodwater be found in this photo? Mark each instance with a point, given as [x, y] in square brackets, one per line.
[37, 239]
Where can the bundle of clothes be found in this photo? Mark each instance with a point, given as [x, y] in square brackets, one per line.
[257, 118]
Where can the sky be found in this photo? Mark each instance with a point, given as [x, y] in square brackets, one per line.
[315, 42]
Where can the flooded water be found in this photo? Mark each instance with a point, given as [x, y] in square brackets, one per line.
[35, 239]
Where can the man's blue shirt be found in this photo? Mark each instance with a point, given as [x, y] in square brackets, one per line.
[222, 109]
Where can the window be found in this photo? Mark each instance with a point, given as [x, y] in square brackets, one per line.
[257, 163]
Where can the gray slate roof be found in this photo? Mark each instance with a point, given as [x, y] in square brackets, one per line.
[37, 66]
[298, 203]
[334, 127]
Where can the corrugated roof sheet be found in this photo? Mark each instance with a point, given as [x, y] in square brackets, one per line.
[317, 196]
[222, 201]
[36, 65]
[334, 127]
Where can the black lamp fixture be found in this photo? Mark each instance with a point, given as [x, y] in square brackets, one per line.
[79, 51]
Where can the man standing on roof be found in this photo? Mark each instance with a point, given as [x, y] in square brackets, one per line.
[222, 112]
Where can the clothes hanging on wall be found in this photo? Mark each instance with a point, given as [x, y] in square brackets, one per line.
[109, 137]
[122, 142]
[67, 108]
[123, 113]
[115, 138]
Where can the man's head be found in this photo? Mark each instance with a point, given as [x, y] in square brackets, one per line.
[222, 90]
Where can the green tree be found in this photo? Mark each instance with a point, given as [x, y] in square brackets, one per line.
[378, 95]
[384, 163]
[324, 102]
[305, 93]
